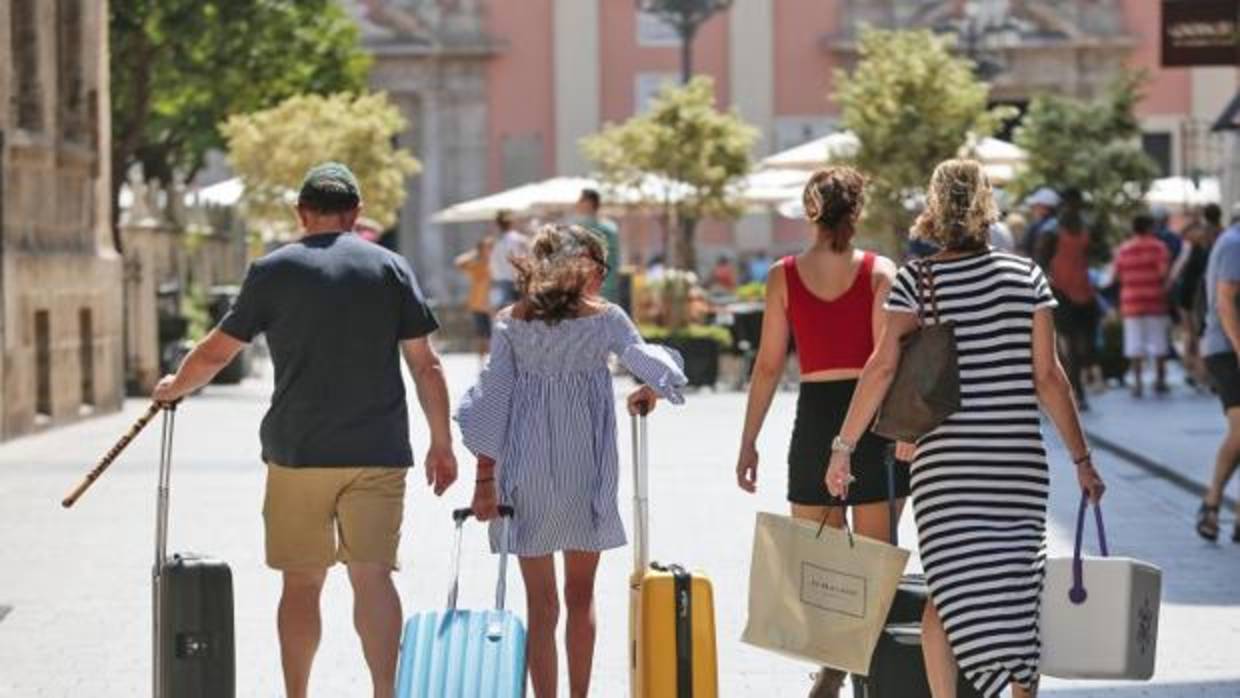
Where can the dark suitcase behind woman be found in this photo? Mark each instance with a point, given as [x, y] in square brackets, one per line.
[192, 609]
[898, 667]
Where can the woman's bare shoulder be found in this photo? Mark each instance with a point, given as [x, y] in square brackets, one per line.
[884, 270]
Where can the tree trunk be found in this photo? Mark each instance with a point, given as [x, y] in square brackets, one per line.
[686, 250]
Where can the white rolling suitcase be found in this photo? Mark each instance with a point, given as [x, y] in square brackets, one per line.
[1099, 615]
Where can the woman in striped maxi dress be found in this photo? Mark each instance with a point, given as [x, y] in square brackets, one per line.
[542, 422]
[980, 480]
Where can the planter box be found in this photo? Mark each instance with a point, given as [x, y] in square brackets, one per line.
[701, 360]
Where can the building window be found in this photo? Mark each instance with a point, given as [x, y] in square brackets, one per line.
[653, 32]
[86, 355]
[1159, 147]
[43, 363]
[69, 69]
[647, 86]
[24, 33]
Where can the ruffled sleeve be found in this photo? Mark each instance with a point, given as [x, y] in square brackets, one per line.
[484, 411]
[660, 367]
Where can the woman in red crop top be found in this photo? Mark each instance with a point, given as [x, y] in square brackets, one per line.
[830, 300]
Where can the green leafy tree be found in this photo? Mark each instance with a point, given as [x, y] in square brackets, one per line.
[272, 149]
[684, 154]
[1093, 147]
[180, 67]
[912, 104]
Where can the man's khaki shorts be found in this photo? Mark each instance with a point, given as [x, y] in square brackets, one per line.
[316, 517]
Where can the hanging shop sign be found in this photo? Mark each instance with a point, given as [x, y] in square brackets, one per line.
[1200, 32]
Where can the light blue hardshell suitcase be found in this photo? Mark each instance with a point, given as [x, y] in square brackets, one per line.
[465, 654]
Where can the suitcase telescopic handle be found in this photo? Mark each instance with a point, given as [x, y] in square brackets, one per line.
[464, 513]
[161, 544]
[459, 517]
[641, 484]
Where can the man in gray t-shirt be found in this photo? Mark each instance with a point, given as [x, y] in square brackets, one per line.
[1220, 344]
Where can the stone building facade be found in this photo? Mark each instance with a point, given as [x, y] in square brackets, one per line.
[500, 92]
[432, 58]
[60, 279]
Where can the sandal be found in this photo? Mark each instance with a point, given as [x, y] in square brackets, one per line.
[1207, 523]
[1235, 533]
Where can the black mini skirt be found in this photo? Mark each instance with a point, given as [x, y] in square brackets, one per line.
[821, 408]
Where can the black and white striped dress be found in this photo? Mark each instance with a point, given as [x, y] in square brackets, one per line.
[980, 480]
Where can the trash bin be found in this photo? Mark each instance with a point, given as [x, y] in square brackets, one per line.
[219, 302]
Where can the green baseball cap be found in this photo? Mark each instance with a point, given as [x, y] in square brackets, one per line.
[330, 186]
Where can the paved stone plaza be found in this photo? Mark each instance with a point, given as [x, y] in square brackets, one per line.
[78, 580]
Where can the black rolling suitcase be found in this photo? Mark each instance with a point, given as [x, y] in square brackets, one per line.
[898, 668]
[192, 609]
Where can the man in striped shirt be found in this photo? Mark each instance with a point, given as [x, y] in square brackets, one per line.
[1141, 267]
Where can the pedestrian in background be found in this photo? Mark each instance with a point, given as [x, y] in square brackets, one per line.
[1142, 267]
[476, 265]
[1076, 317]
[723, 276]
[369, 230]
[588, 207]
[338, 313]
[1042, 205]
[509, 245]
[830, 299]
[542, 422]
[760, 267]
[1001, 238]
[1190, 296]
[980, 479]
[1221, 345]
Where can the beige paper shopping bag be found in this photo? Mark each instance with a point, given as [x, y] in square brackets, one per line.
[822, 596]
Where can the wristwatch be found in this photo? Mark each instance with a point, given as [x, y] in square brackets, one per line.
[839, 445]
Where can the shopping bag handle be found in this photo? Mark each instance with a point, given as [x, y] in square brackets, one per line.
[1078, 594]
[822, 526]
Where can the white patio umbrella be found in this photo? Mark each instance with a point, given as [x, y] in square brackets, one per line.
[995, 151]
[1178, 193]
[765, 189]
[559, 194]
[521, 200]
[814, 154]
[225, 193]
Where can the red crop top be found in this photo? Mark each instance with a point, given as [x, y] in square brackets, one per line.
[834, 334]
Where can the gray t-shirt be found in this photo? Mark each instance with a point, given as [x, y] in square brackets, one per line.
[1224, 265]
[334, 308]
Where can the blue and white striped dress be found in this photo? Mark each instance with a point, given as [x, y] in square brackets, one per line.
[545, 411]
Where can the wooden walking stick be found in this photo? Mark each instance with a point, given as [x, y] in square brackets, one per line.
[112, 454]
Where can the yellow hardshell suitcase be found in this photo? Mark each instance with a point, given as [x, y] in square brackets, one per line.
[671, 610]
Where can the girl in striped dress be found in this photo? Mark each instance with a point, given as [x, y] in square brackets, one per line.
[542, 422]
[980, 479]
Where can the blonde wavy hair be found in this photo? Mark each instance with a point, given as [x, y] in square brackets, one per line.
[553, 279]
[960, 207]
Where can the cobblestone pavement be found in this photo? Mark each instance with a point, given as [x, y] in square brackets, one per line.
[78, 581]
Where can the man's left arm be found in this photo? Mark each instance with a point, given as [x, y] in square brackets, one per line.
[432, 389]
[208, 358]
